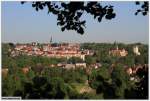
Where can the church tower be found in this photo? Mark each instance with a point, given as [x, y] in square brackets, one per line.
[51, 40]
[136, 50]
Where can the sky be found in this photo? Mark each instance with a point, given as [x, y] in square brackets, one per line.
[22, 24]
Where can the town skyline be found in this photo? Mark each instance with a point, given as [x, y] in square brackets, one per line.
[27, 26]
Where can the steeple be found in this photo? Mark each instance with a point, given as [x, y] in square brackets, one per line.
[51, 40]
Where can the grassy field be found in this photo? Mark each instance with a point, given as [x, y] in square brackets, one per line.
[81, 87]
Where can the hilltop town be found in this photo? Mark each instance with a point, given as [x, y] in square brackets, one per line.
[62, 50]
[68, 50]
[79, 65]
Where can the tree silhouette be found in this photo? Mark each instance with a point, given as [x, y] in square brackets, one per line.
[144, 8]
[141, 89]
[42, 88]
[69, 13]
[142, 86]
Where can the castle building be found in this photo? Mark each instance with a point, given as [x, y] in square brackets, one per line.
[118, 52]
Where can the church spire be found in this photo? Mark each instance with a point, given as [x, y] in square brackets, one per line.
[51, 40]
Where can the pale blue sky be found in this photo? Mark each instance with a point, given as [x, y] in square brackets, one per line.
[21, 23]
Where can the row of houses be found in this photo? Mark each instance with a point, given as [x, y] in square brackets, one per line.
[82, 65]
[58, 51]
[131, 71]
[26, 69]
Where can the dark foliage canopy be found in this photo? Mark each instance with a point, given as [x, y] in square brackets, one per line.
[144, 8]
[69, 13]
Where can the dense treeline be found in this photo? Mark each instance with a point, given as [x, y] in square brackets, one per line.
[43, 82]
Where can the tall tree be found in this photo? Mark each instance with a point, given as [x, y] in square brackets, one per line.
[120, 80]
